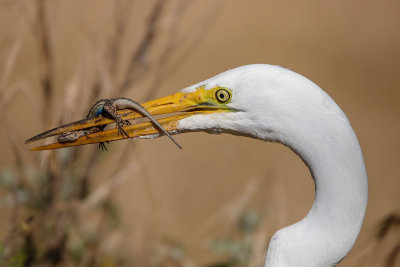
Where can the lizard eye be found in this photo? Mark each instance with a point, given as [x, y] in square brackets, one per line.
[222, 95]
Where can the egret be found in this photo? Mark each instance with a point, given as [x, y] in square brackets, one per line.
[275, 104]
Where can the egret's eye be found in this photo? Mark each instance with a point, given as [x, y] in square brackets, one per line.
[222, 95]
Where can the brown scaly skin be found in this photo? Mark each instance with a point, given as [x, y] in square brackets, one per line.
[106, 106]
[109, 106]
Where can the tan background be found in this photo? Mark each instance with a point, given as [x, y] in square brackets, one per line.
[349, 48]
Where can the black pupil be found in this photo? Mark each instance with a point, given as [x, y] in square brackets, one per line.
[221, 95]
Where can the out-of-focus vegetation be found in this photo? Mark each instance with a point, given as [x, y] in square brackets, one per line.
[55, 216]
[54, 210]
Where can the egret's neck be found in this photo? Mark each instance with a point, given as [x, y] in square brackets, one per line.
[329, 230]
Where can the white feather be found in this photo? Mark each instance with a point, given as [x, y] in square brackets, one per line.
[276, 104]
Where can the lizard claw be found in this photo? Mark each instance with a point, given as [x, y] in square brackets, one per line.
[122, 132]
[103, 146]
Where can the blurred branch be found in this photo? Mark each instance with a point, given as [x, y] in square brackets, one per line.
[138, 62]
[7, 65]
[191, 38]
[369, 252]
[68, 226]
[393, 255]
[122, 11]
[103, 191]
[389, 223]
[46, 52]
[392, 220]
[230, 213]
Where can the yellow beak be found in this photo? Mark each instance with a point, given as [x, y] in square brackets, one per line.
[179, 106]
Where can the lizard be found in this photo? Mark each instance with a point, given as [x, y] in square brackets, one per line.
[109, 106]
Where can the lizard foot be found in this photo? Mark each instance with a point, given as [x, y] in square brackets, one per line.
[103, 146]
[122, 132]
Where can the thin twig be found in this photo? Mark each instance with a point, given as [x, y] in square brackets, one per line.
[230, 213]
[46, 54]
[137, 63]
[106, 188]
[121, 14]
[191, 38]
[8, 65]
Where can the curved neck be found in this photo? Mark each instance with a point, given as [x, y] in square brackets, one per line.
[328, 232]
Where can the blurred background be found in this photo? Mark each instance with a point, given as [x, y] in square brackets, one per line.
[144, 202]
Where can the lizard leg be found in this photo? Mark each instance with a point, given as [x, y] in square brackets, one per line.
[103, 146]
[111, 109]
[67, 137]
